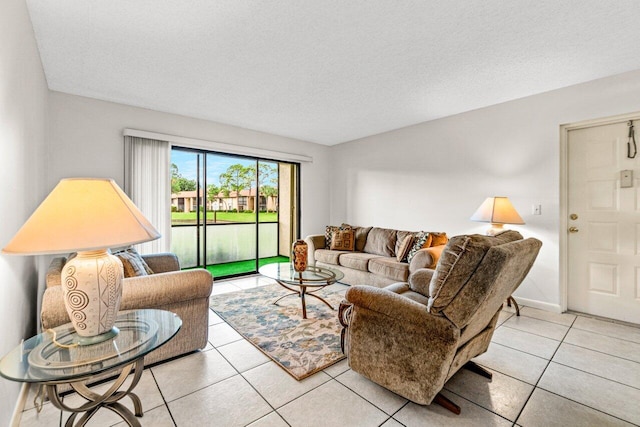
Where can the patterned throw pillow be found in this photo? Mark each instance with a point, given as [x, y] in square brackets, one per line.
[405, 247]
[343, 240]
[421, 239]
[133, 263]
[328, 231]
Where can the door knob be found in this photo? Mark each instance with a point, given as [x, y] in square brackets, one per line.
[573, 229]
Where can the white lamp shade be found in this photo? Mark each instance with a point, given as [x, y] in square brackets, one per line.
[497, 210]
[82, 214]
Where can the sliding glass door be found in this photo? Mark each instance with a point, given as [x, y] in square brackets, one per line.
[231, 213]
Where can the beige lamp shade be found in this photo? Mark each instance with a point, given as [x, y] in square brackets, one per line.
[82, 214]
[88, 216]
[497, 211]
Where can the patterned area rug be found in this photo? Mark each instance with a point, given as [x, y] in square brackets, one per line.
[301, 346]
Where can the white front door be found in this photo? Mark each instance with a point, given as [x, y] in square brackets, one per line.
[603, 224]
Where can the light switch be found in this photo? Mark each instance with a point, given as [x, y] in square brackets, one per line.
[626, 178]
[537, 209]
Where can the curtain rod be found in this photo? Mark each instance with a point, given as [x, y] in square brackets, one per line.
[218, 146]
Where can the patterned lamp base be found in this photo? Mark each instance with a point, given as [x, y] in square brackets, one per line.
[92, 284]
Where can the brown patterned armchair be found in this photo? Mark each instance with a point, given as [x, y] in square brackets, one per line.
[412, 337]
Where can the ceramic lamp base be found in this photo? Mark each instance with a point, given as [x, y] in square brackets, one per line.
[92, 285]
[495, 229]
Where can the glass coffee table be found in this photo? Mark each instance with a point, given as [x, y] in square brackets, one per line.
[315, 278]
[54, 358]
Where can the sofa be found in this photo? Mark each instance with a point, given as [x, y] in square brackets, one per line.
[374, 260]
[185, 293]
[411, 338]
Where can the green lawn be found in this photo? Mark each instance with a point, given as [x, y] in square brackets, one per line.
[190, 217]
[239, 267]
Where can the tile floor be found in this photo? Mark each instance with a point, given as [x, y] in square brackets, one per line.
[549, 369]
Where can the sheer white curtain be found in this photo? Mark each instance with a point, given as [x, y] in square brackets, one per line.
[147, 181]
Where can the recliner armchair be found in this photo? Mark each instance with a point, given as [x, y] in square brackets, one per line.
[412, 337]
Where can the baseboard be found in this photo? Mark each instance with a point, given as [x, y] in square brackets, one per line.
[22, 400]
[541, 305]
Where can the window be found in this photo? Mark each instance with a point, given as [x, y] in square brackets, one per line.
[238, 219]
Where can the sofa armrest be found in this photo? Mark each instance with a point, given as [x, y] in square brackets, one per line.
[151, 291]
[161, 289]
[420, 279]
[426, 258]
[314, 241]
[162, 262]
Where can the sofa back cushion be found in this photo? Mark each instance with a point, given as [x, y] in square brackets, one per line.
[361, 237]
[459, 260]
[381, 241]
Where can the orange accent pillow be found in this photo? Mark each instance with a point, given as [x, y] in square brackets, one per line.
[437, 239]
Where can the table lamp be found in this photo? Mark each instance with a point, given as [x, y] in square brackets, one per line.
[87, 215]
[498, 211]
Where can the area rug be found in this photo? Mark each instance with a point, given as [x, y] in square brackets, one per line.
[300, 346]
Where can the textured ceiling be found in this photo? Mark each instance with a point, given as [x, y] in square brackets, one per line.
[329, 71]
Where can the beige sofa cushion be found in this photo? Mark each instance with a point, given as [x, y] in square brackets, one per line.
[381, 241]
[357, 260]
[328, 256]
[459, 260]
[361, 237]
[389, 267]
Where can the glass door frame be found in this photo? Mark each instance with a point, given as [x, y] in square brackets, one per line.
[201, 201]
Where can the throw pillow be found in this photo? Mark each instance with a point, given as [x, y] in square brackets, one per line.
[421, 240]
[328, 231]
[438, 239]
[405, 247]
[133, 263]
[343, 240]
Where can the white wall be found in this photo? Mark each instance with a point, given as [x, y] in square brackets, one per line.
[434, 175]
[23, 104]
[88, 141]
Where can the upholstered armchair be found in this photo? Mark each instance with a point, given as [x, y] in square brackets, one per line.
[412, 337]
[185, 293]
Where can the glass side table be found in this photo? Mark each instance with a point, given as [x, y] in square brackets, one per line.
[53, 358]
[315, 278]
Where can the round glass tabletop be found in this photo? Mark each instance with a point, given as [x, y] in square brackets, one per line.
[312, 276]
[49, 357]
